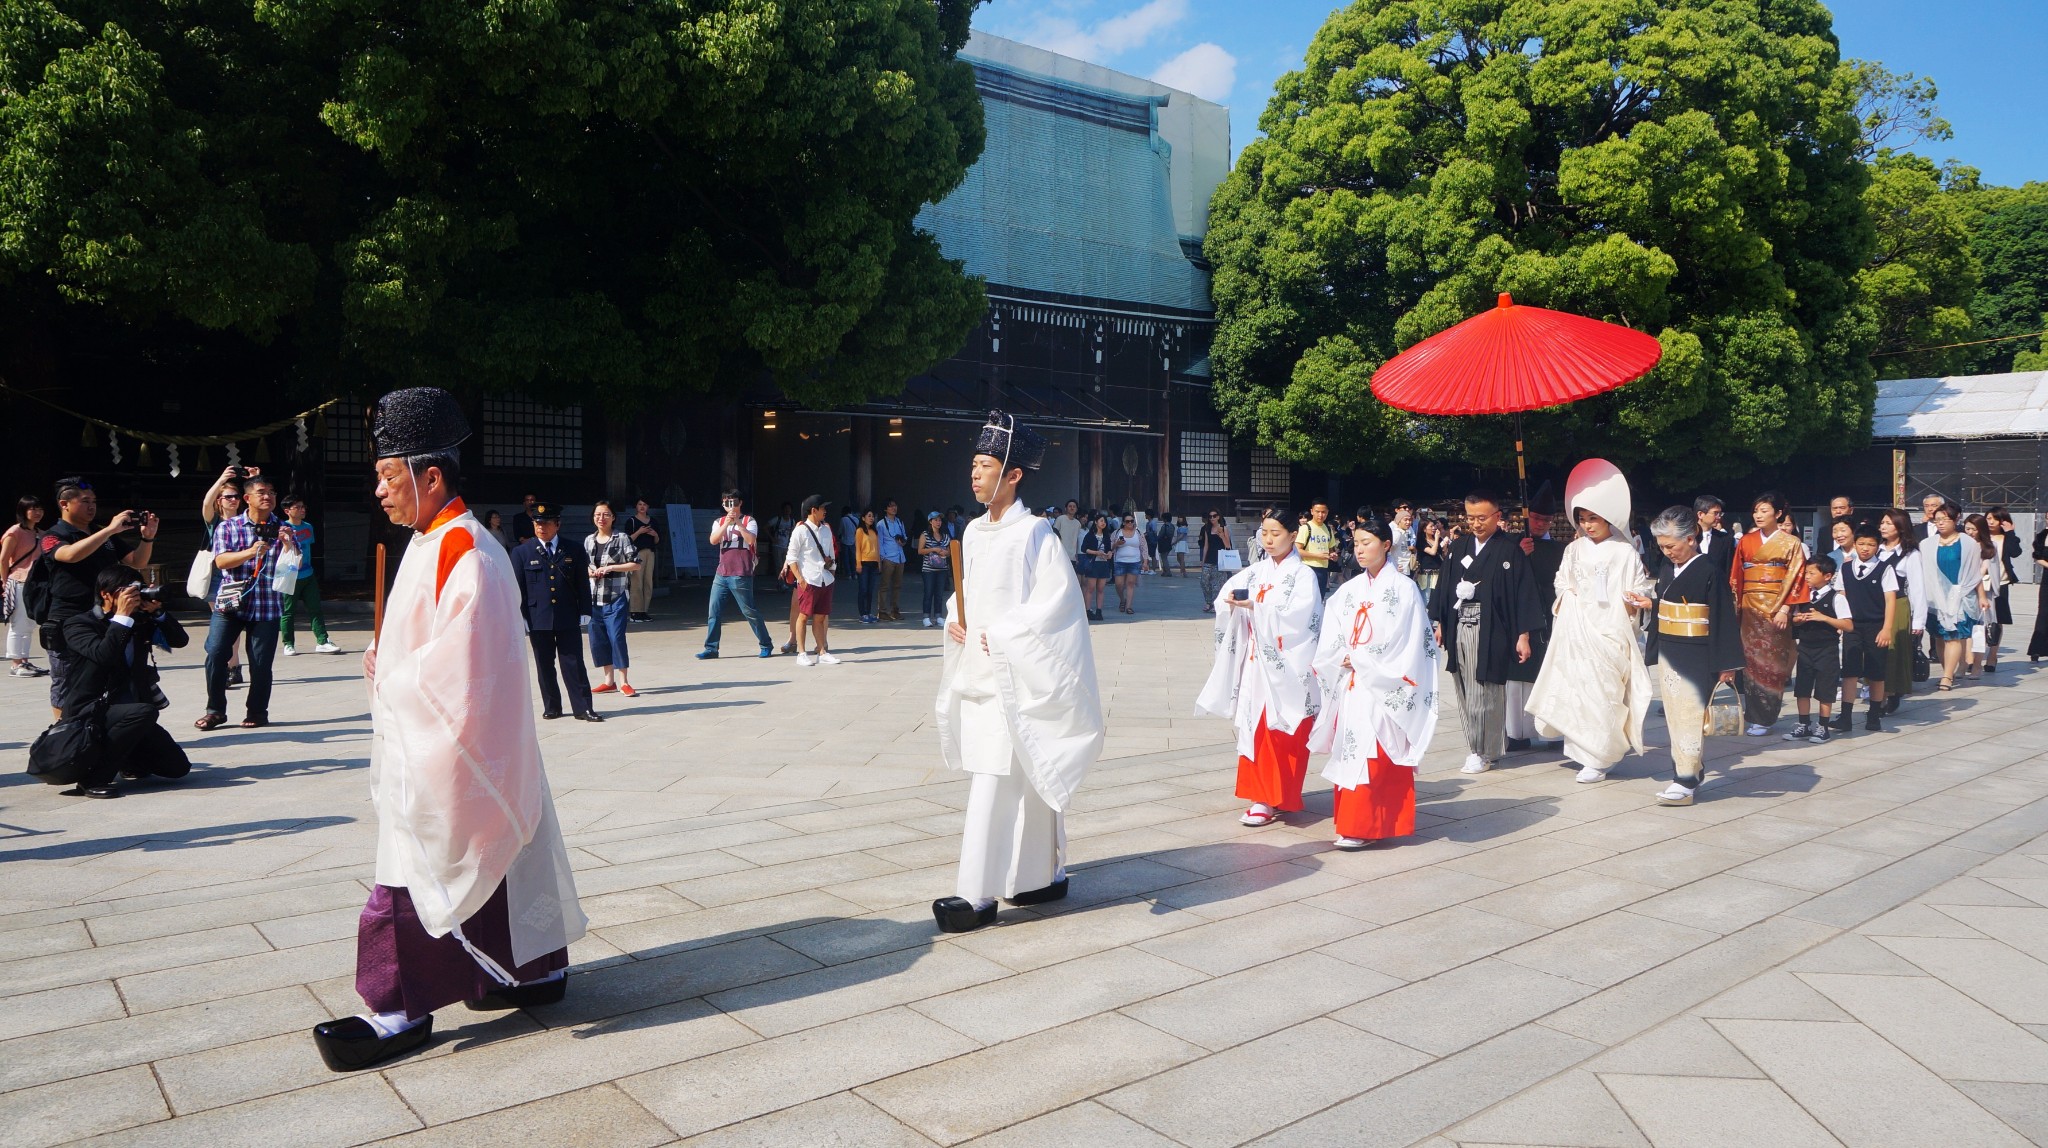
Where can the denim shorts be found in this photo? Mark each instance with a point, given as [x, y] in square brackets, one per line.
[1123, 568]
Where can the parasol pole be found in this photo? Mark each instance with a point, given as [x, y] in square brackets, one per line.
[959, 584]
[1521, 465]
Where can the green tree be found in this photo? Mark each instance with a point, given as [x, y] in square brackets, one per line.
[2009, 235]
[1923, 275]
[599, 198]
[1687, 167]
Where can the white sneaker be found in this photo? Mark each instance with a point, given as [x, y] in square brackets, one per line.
[1589, 775]
[327, 648]
[806, 659]
[927, 623]
[826, 659]
[1757, 731]
[1475, 764]
[288, 651]
[1675, 794]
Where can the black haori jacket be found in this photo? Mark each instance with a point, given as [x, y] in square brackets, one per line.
[1705, 581]
[1508, 605]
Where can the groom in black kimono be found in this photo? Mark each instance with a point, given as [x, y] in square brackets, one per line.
[1545, 555]
[1483, 606]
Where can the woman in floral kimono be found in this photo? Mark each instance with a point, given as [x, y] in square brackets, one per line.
[1268, 616]
[1769, 580]
[1377, 666]
[1594, 691]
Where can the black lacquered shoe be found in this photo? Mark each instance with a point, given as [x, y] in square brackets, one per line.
[522, 996]
[551, 716]
[99, 791]
[1057, 891]
[958, 915]
[352, 1043]
[589, 715]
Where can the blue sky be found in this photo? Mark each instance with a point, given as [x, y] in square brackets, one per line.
[1989, 57]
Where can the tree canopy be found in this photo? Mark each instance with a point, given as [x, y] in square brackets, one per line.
[1687, 167]
[591, 199]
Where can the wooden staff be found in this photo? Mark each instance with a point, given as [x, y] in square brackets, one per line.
[959, 585]
[377, 623]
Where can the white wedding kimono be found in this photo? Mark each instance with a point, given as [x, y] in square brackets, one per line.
[1386, 697]
[455, 768]
[1025, 717]
[1594, 690]
[1265, 656]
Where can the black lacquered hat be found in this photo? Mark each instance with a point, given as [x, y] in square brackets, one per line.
[417, 420]
[1016, 445]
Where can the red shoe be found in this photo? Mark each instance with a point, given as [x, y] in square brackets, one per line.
[628, 691]
[603, 689]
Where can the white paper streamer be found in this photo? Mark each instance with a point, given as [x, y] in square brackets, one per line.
[300, 426]
[114, 444]
[174, 459]
[234, 454]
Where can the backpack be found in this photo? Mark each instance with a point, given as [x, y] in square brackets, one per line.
[39, 592]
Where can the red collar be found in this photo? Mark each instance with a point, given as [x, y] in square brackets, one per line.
[449, 512]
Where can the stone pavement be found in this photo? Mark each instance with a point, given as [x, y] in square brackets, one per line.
[1840, 944]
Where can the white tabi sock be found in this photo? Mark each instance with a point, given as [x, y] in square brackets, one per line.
[557, 975]
[390, 1024]
[984, 903]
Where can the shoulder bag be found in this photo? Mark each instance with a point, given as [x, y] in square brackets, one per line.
[70, 748]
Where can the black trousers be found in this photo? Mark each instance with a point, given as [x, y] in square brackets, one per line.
[567, 645]
[138, 745]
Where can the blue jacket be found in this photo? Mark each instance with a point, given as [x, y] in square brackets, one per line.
[553, 595]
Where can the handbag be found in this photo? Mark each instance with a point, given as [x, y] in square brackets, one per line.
[1921, 668]
[71, 748]
[1723, 718]
[1229, 561]
[200, 577]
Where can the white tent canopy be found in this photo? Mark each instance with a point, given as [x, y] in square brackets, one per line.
[1962, 406]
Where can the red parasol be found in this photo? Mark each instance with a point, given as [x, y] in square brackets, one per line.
[1513, 359]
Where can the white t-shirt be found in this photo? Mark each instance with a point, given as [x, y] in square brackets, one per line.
[1129, 548]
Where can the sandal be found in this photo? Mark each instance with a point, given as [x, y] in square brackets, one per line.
[1945, 685]
[1255, 819]
[255, 723]
[209, 722]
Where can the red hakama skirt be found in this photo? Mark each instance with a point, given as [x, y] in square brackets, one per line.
[1274, 775]
[1381, 809]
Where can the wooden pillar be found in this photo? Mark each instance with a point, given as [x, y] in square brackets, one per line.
[1092, 448]
[863, 463]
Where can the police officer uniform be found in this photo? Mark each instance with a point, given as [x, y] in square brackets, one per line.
[554, 594]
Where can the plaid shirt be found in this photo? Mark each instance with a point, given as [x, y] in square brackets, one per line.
[608, 588]
[260, 603]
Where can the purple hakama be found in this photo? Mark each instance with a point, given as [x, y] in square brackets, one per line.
[399, 968]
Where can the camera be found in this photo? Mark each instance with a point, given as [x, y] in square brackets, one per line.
[267, 530]
[150, 593]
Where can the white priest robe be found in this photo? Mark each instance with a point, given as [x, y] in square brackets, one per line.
[455, 768]
[1377, 668]
[1265, 656]
[1024, 717]
[1594, 690]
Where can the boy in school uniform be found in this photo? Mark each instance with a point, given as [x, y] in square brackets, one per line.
[1871, 590]
[1818, 625]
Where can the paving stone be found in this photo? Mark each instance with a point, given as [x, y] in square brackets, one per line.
[1264, 998]
[2023, 1106]
[1670, 864]
[600, 1117]
[1887, 1100]
[771, 1075]
[1683, 1046]
[105, 962]
[808, 999]
[1917, 920]
[843, 1120]
[1607, 949]
[1057, 994]
[1563, 899]
[1865, 897]
[1813, 866]
[1385, 900]
[119, 928]
[1064, 1065]
[1426, 945]
[704, 928]
[510, 1072]
[1527, 860]
[40, 940]
[852, 938]
[1777, 995]
[1709, 1112]
[625, 988]
[2011, 983]
[1462, 1007]
[344, 1112]
[1571, 1109]
[1051, 940]
[213, 980]
[53, 1009]
[1083, 1125]
[67, 1110]
[1239, 942]
[2023, 929]
[1851, 953]
[1203, 1105]
[1721, 903]
[67, 1053]
[1759, 833]
[1439, 1094]
[1939, 1027]
[1246, 890]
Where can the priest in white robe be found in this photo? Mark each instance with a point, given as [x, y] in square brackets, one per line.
[1594, 689]
[1268, 617]
[474, 901]
[1017, 706]
[1376, 665]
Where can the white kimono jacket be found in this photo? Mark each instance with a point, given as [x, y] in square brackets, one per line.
[1954, 602]
[1386, 695]
[1021, 594]
[455, 769]
[1265, 656]
[1594, 690]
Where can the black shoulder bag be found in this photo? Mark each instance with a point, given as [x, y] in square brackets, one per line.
[71, 748]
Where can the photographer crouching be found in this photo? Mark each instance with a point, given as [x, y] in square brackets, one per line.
[112, 672]
[248, 549]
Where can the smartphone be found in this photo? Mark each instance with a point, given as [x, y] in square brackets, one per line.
[1241, 595]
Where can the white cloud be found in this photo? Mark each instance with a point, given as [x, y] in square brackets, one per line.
[1106, 39]
[1205, 70]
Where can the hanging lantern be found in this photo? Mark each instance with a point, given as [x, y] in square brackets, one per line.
[201, 462]
[142, 453]
[85, 436]
[114, 445]
[263, 449]
[172, 450]
[299, 426]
